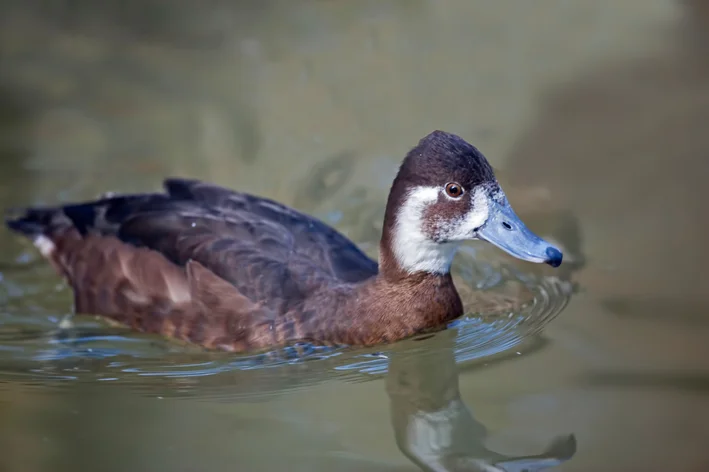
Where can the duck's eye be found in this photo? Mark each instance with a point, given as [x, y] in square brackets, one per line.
[454, 190]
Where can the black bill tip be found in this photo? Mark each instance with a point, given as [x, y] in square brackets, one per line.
[554, 256]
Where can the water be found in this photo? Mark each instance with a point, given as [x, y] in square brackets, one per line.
[594, 114]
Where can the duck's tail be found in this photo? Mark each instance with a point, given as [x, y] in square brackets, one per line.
[40, 225]
[33, 222]
[129, 283]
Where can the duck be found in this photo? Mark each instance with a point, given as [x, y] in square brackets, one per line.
[232, 271]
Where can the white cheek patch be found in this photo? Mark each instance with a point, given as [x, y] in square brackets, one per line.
[413, 249]
[464, 228]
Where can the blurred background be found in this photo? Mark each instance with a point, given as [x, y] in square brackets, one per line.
[593, 112]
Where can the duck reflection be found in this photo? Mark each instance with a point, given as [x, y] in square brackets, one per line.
[437, 431]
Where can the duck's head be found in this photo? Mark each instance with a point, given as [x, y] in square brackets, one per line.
[445, 193]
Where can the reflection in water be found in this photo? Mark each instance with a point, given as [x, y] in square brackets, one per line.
[432, 426]
[437, 431]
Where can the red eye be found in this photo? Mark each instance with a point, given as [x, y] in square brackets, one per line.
[454, 190]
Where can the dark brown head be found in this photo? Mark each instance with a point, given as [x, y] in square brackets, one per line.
[446, 193]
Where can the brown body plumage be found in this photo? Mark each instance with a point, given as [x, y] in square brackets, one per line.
[227, 270]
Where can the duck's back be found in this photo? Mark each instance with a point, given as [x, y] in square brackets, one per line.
[244, 250]
[262, 232]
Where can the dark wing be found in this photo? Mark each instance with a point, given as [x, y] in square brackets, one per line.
[271, 254]
[303, 234]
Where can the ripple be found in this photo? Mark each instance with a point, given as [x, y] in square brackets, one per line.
[513, 308]
[480, 337]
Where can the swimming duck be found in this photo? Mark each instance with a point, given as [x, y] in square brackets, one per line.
[232, 271]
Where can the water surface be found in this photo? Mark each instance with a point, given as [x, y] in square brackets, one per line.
[594, 114]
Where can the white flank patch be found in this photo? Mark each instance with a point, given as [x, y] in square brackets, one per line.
[45, 245]
[417, 252]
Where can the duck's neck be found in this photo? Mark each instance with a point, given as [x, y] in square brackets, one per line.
[416, 302]
[414, 271]
[401, 258]
[401, 301]
[405, 250]
[419, 268]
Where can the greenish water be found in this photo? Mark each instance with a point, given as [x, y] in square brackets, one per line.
[594, 114]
